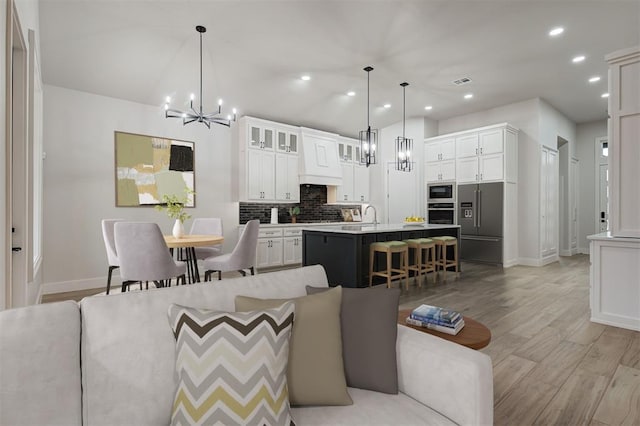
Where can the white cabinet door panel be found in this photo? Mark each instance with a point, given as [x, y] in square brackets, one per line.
[254, 170]
[361, 183]
[293, 178]
[432, 151]
[467, 145]
[467, 170]
[432, 172]
[448, 170]
[268, 175]
[448, 149]
[491, 167]
[262, 254]
[491, 142]
[282, 177]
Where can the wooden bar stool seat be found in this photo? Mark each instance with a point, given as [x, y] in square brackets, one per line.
[389, 248]
[442, 262]
[424, 259]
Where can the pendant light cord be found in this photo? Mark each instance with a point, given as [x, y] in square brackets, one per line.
[368, 125]
[200, 73]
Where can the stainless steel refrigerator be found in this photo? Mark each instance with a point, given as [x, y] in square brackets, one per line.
[480, 219]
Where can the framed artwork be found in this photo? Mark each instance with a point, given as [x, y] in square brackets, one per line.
[148, 167]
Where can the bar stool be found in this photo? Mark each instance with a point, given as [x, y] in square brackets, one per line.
[389, 248]
[442, 262]
[424, 258]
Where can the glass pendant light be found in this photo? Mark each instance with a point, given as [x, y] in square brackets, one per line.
[368, 138]
[403, 144]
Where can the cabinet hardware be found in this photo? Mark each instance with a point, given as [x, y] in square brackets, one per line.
[480, 150]
[476, 177]
[480, 176]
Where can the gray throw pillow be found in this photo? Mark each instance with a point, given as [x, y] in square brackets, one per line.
[368, 319]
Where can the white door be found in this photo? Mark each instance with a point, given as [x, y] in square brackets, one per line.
[548, 202]
[573, 203]
[603, 198]
[402, 195]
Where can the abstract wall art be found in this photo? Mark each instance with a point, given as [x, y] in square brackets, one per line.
[148, 167]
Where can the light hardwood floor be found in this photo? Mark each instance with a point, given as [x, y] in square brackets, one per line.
[552, 366]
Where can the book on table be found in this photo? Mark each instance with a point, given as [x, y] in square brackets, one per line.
[436, 315]
[441, 328]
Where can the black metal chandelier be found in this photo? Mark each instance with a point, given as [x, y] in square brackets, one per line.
[191, 115]
[403, 144]
[369, 137]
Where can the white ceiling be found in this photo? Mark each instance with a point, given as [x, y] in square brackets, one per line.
[255, 52]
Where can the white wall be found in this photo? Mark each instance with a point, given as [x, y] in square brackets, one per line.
[4, 243]
[524, 116]
[414, 129]
[586, 134]
[79, 182]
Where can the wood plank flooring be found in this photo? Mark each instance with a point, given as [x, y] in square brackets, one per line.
[552, 366]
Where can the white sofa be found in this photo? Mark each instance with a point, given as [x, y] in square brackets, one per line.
[110, 361]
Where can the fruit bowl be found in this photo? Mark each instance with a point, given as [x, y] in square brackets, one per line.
[414, 221]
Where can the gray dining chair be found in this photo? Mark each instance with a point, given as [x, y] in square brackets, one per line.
[242, 257]
[207, 226]
[110, 246]
[144, 255]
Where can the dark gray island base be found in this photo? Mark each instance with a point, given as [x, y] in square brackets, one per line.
[343, 250]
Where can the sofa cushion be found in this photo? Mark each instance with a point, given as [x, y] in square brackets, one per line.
[231, 367]
[40, 365]
[368, 319]
[316, 371]
[128, 351]
[371, 408]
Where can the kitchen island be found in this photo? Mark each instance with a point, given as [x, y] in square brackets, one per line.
[343, 250]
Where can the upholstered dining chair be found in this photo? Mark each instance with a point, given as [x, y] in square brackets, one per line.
[144, 255]
[207, 226]
[110, 246]
[242, 257]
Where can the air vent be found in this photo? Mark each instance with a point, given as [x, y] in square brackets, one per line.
[461, 81]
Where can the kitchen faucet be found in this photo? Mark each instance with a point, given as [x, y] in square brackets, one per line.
[375, 213]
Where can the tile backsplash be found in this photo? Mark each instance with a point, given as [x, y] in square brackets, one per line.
[313, 208]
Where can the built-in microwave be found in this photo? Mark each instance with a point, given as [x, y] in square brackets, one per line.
[441, 192]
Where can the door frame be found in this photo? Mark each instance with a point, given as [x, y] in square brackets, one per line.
[597, 163]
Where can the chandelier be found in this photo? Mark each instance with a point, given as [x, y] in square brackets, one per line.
[193, 114]
[369, 137]
[403, 145]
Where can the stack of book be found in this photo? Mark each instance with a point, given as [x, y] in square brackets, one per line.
[435, 318]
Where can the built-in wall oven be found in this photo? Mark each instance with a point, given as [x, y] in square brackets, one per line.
[441, 204]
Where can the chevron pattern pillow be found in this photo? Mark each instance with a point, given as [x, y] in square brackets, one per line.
[231, 367]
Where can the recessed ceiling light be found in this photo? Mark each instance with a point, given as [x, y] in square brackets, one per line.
[387, 105]
[556, 31]
[428, 107]
[468, 96]
[604, 95]
[351, 93]
[578, 59]
[306, 77]
[594, 79]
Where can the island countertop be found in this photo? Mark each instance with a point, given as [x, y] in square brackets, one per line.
[370, 228]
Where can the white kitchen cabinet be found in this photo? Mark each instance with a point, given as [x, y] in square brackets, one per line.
[261, 135]
[355, 177]
[292, 246]
[440, 159]
[487, 155]
[287, 139]
[548, 204]
[260, 175]
[361, 185]
[624, 146]
[269, 249]
[287, 182]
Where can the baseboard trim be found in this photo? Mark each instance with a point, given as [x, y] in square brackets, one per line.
[549, 259]
[583, 250]
[75, 285]
[566, 253]
[529, 261]
[510, 263]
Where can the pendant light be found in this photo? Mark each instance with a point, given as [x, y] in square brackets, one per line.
[369, 137]
[403, 144]
[191, 115]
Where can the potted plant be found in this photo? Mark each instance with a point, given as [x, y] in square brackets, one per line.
[174, 207]
[294, 212]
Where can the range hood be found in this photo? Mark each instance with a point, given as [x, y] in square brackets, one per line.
[318, 161]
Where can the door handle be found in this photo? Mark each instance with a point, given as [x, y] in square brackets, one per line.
[16, 249]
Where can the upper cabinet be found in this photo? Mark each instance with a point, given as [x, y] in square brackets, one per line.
[624, 138]
[287, 138]
[355, 177]
[268, 161]
[440, 159]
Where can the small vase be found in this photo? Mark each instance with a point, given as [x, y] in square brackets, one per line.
[293, 219]
[178, 229]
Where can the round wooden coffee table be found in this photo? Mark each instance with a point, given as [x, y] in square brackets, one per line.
[473, 335]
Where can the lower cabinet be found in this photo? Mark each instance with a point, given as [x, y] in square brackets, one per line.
[278, 247]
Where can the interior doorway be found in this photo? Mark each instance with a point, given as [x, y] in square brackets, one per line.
[402, 194]
[602, 184]
[16, 226]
